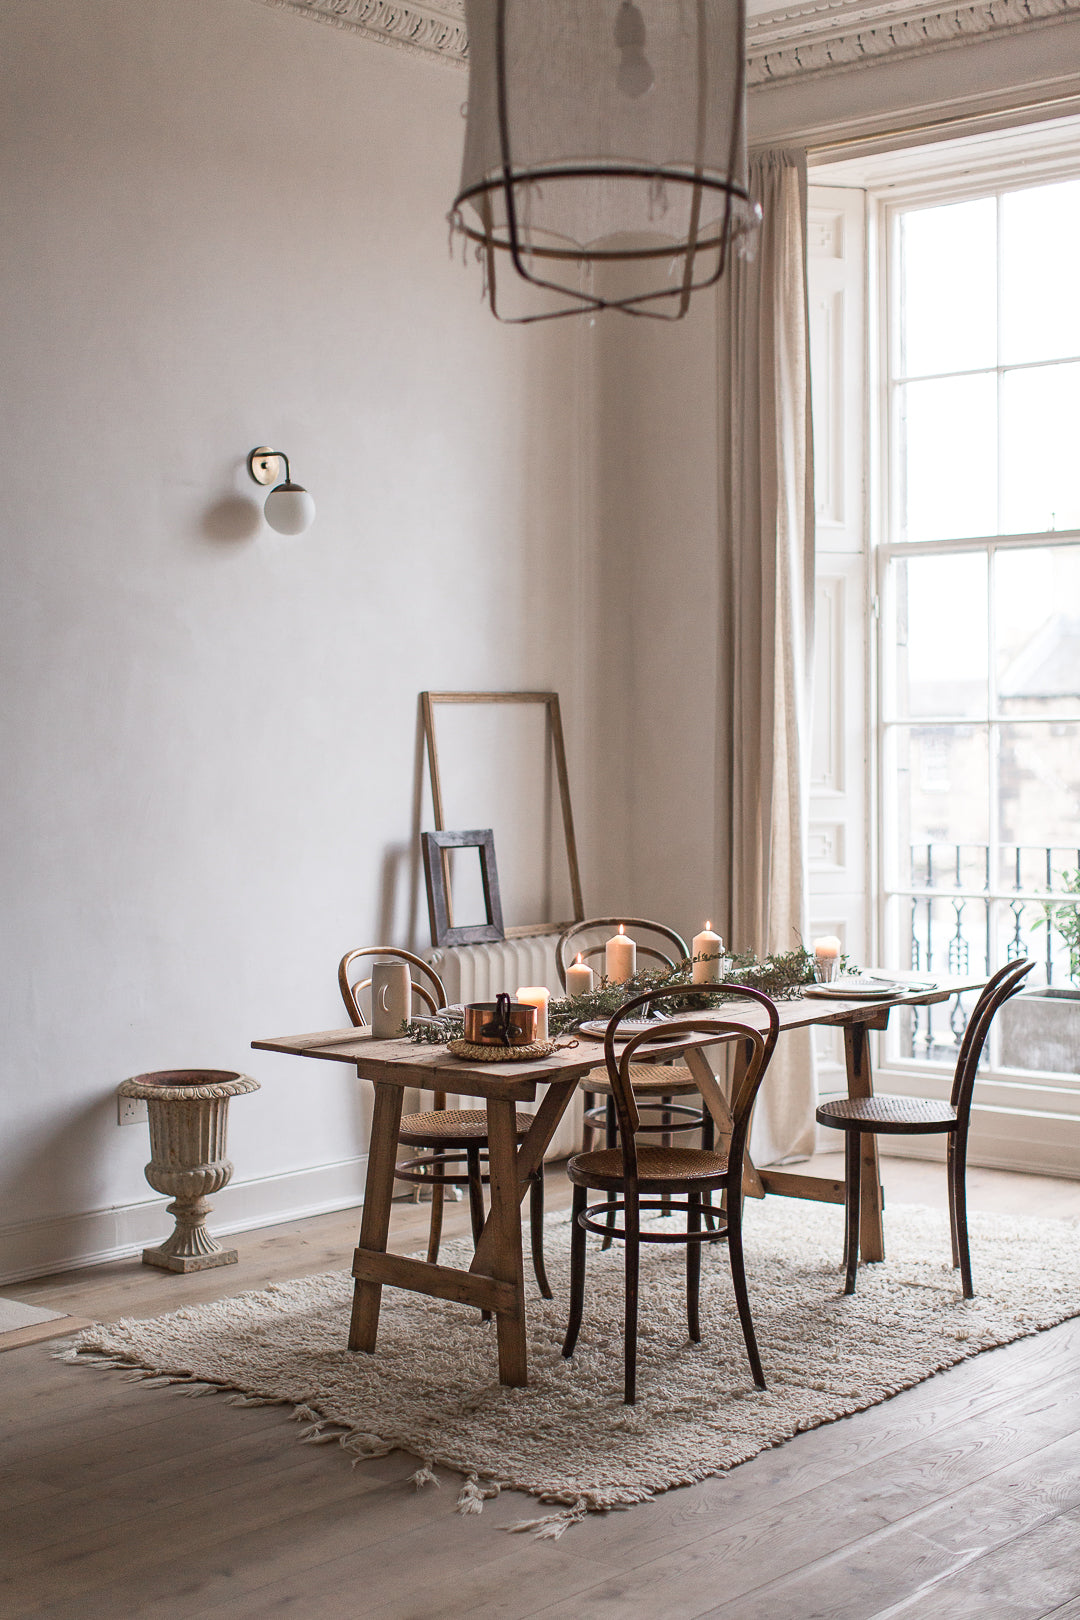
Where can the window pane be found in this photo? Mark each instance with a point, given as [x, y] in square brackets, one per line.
[1037, 630]
[1040, 312]
[949, 271]
[942, 804]
[1040, 467]
[1039, 783]
[949, 448]
[941, 636]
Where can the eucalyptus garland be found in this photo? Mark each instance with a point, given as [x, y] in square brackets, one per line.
[782, 976]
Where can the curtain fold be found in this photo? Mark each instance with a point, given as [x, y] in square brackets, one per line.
[766, 616]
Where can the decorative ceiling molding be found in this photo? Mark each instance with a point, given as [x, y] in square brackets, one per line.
[832, 35]
[434, 29]
[826, 36]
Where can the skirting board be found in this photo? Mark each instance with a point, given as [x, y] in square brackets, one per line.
[74, 1242]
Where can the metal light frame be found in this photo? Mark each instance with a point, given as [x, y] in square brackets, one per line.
[693, 175]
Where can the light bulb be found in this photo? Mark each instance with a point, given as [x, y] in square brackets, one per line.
[635, 76]
[289, 509]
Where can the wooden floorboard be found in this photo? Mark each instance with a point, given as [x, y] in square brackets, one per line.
[958, 1498]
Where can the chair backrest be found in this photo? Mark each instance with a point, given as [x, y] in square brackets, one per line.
[576, 940]
[425, 981]
[671, 1038]
[997, 990]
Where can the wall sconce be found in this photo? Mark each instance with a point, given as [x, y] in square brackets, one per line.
[289, 508]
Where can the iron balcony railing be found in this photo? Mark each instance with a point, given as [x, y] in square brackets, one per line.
[962, 920]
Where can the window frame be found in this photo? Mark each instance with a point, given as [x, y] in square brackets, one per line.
[1013, 1091]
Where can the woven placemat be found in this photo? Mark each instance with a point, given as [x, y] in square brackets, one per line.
[501, 1054]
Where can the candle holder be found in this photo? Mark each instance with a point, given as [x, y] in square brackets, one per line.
[826, 969]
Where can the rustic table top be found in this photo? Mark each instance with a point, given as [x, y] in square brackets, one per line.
[431, 1068]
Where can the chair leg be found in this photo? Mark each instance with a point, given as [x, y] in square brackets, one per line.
[476, 1203]
[738, 1279]
[435, 1228]
[665, 1141]
[950, 1154]
[958, 1206]
[577, 1272]
[611, 1136]
[630, 1309]
[708, 1141]
[852, 1176]
[693, 1269]
[476, 1193]
[588, 1101]
[536, 1230]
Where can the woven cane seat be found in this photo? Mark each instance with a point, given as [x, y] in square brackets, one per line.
[647, 1080]
[888, 1113]
[657, 1166]
[446, 1125]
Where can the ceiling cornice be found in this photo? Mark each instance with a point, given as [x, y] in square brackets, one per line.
[433, 29]
[831, 35]
[826, 36]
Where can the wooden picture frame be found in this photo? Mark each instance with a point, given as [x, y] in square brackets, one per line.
[429, 701]
[440, 900]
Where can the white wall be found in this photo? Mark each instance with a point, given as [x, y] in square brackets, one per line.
[226, 227]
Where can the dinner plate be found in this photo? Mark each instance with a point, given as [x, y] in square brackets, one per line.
[856, 990]
[596, 1028]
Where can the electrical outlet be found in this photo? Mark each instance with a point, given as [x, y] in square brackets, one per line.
[130, 1110]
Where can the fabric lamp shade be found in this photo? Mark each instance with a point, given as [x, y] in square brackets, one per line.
[289, 509]
[606, 132]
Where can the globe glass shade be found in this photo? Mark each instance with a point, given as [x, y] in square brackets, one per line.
[289, 509]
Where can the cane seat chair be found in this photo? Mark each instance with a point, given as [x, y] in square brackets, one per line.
[655, 1086]
[452, 1142]
[634, 1177]
[890, 1115]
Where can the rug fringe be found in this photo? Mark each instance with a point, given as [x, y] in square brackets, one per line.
[551, 1525]
[364, 1446]
[425, 1476]
[473, 1495]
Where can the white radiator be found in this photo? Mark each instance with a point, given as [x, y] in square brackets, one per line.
[480, 973]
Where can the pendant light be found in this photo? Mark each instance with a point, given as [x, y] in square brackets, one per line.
[605, 150]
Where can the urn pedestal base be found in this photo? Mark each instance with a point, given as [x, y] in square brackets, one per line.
[188, 1111]
[189, 1262]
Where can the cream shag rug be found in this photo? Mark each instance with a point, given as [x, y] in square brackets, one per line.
[432, 1389]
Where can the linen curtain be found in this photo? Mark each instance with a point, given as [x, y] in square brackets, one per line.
[766, 616]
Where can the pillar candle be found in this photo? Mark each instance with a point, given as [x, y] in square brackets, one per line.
[391, 999]
[620, 957]
[536, 995]
[709, 945]
[827, 946]
[827, 959]
[579, 978]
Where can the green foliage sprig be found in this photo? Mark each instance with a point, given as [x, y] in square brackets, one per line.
[782, 976]
[1066, 919]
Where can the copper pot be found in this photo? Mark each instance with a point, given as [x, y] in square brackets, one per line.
[501, 1022]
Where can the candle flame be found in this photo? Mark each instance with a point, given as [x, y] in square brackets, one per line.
[708, 927]
[579, 959]
[622, 928]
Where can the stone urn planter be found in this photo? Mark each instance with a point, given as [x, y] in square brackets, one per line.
[1041, 1030]
[188, 1111]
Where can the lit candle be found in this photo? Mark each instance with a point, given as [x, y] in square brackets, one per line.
[620, 957]
[711, 947]
[579, 978]
[826, 958]
[536, 995]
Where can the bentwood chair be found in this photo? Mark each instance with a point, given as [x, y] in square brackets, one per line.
[891, 1115]
[655, 1087]
[634, 1178]
[449, 1139]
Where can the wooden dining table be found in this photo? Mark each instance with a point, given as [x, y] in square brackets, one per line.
[495, 1279]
